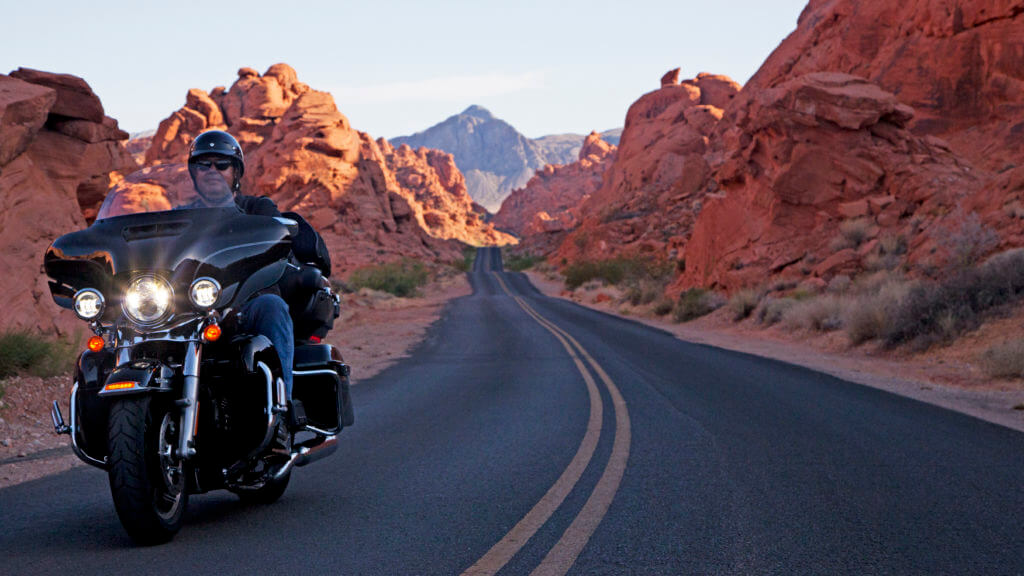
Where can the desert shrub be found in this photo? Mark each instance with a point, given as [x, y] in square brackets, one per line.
[468, 257]
[644, 292]
[694, 303]
[839, 284]
[772, 309]
[663, 306]
[401, 278]
[518, 262]
[821, 314]
[743, 302]
[22, 352]
[852, 233]
[615, 271]
[1004, 360]
[867, 313]
[966, 240]
[936, 311]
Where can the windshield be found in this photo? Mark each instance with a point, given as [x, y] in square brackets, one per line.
[162, 188]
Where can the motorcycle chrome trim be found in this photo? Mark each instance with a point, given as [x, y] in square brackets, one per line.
[58, 420]
[308, 452]
[268, 376]
[282, 396]
[313, 372]
[78, 450]
[193, 354]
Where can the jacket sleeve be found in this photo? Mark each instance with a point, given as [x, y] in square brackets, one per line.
[308, 246]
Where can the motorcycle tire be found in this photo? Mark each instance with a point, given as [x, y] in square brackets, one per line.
[149, 490]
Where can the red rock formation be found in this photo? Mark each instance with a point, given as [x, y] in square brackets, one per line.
[958, 64]
[436, 190]
[802, 158]
[57, 150]
[548, 206]
[651, 194]
[303, 153]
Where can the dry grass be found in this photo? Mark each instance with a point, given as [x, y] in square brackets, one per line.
[743, 302]
[1004, 360]
[821, 314]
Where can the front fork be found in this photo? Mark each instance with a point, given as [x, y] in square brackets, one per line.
[189, 402]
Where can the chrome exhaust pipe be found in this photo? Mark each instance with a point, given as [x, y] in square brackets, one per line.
[307, 452]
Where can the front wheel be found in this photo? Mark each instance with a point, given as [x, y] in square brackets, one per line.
[147, 481]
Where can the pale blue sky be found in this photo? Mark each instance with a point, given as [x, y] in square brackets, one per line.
[396, 67]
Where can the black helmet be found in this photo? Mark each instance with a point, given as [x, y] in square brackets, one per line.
[220, 143]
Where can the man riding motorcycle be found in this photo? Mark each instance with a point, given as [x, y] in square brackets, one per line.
[205, 309]
[216, 165]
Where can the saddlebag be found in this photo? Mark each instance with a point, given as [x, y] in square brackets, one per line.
[321, 383]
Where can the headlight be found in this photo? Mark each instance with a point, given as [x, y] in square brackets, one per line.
[204, 292]
[88, 304]
[148, 299]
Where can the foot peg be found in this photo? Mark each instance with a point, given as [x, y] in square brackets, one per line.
[296, 416]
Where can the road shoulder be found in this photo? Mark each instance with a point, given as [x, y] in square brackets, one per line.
[949, 382]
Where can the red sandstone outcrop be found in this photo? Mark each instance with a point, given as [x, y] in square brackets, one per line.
[804, 157]
[58, 151]
[548, 206]
[436, 190]
[958, 64]
[651, 193]
[303, 153]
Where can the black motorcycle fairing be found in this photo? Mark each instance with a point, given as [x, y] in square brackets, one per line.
[182, 245]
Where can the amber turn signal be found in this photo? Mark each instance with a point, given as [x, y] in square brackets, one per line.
[211, 333]
[119, 386]
[96, 343]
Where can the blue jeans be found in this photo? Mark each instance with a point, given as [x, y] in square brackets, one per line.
[267, 314]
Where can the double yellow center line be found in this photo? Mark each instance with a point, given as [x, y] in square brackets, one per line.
[562, 556]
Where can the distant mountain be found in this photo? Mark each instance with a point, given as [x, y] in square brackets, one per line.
[494, 157]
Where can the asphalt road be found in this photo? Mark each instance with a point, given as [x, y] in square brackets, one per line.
[530, 434]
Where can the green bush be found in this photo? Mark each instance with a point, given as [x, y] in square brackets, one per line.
[402, 278]
[1004, 360]
[468, 257]
[694, 303]
[521, 261]
[614, 271]
[22, 352]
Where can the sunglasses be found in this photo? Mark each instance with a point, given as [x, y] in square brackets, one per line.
[221, 165]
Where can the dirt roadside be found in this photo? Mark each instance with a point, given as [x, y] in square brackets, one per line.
[949, 377]
[374, 331]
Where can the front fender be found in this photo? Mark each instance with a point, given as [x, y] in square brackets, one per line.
[138, 377]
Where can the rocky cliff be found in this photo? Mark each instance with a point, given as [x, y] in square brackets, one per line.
[653, 190]
[493, 155]
[59, 153]
[874, 133]
[959, 65]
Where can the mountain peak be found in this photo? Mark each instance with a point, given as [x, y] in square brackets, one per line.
[478, 112]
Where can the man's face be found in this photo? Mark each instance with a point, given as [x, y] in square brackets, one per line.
[214, 175]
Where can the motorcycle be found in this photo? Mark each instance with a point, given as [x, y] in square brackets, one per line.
[171, 398]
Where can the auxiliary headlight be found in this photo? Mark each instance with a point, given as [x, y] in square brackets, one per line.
[204, 292]
[148, 299]
[88, 303]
